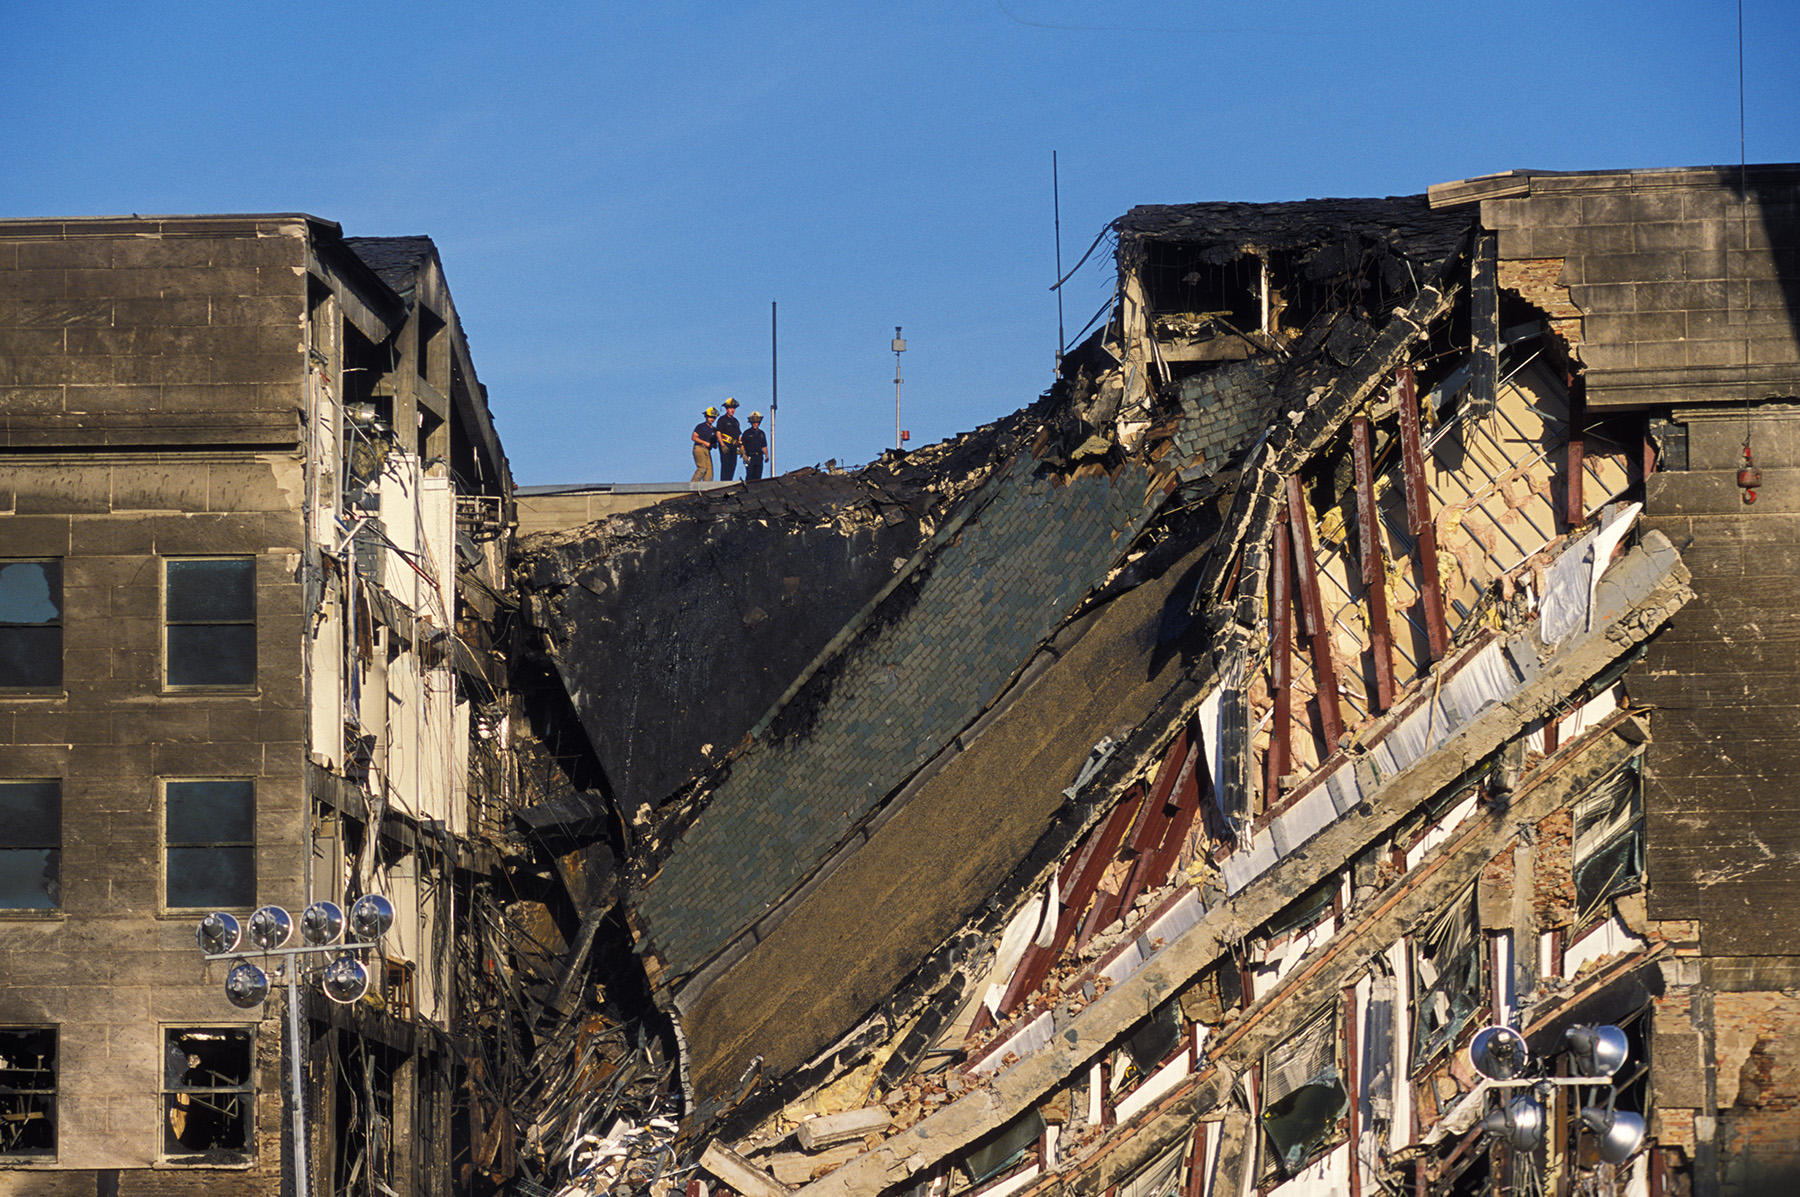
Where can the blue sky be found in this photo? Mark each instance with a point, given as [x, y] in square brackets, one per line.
[620, 191]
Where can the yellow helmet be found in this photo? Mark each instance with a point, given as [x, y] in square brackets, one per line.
[712, 411]
[731, 403]
[755, 416]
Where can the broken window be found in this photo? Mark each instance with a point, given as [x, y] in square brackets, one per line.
[30, 845]
[1447, 990]
[31, 610]
[1303, 1100]
[1004, 1149]
[1609, 839]
[27, 1091]
[207, 1092]
[210, 841]
[210, 607]
[1161, 1179]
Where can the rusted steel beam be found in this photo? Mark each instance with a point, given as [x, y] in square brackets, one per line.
[1418, 514]
[1373, 564]
[1187, 808]
[1196, 1178]
[1176, 761]
[1353, 1086]
[1306, 574]
[1089, 881]
[1277, 761]
[1576, 513]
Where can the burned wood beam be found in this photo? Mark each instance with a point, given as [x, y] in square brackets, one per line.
[1418, 515]
[1373, 564]
[1642, 590]
[1484, 328]
[1306, 573]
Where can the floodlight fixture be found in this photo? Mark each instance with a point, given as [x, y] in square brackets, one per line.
[322, 923]
[1620, 1132]
[270, 928]
[1499, 1053]
[1519, 1122]
[370, 917]
[1596, 1051]
[246, 985]
[218, 934]
[346, 980]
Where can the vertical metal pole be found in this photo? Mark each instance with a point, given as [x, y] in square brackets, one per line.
[1056, 207]
[897, 351]
[295, 1066]
[774, 386]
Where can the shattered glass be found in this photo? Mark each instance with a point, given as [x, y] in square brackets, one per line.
[27, 1091]
[1446, 978]
[1609, 839]
[1303, 1096]
[207, 1093]
[31, 624]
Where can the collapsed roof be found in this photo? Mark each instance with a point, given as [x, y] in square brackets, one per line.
[1293, 609]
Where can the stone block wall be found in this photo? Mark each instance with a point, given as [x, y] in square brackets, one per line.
[1685, 279]
[150, 359]
[139, 332]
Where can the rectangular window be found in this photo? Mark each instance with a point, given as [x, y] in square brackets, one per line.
[209, 604]
[1609, 840]
[207, 1094]
[30, 625]
[1447, 978]
[30, 845]
[27, 1092]
[210, 842]
[1303, 1097]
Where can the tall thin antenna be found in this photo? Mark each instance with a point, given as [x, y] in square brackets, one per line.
[1056, 207]
[774, 387]
[1741, 158]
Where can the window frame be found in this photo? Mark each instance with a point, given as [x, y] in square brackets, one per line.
[60, 623]
[14, 1159]
[169, 563]
[1271, 1168]
[55, 908]
[168, 1095]
[167, 845]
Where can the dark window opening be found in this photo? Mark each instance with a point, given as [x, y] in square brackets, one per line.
[1156, 1039]
[208, 1093]
[1447, 988]
[210, 840]
[1005, 1148]
[30, 845]
[31, 612]
[432, 345]
[1303, 1099]
[210, 609]
[1609, 841]
[27, 1091]
[1196, 281]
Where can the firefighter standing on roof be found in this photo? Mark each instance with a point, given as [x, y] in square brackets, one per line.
[705, 437]
[728, 441]
[756, 448]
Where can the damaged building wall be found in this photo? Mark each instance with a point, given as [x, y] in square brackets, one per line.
[1251, 950]
[239, 456]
